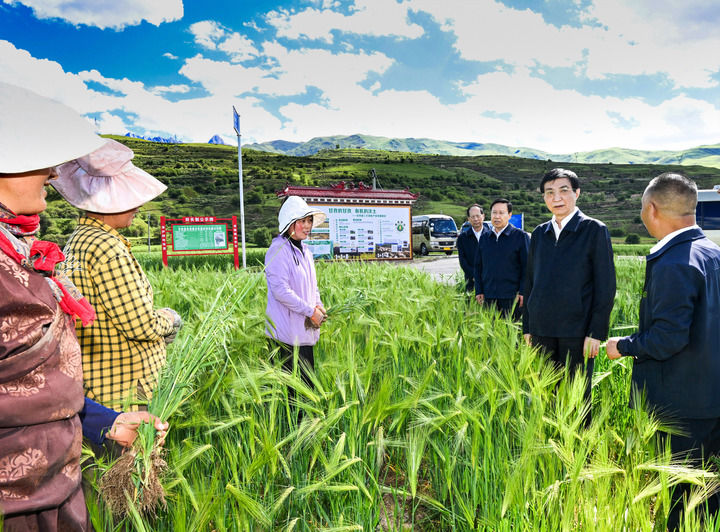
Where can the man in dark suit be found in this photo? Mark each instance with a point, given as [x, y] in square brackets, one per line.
[467, 243]
[500, 262]
[570, 280]
[677, 346]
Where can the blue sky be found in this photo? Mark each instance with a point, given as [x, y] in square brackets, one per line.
[557, 75]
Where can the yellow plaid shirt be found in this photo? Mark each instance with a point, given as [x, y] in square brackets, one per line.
[123, 349]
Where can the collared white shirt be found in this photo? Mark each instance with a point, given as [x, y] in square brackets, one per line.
[498, 233]
[477, 233]
[667, 238]
[563, 223]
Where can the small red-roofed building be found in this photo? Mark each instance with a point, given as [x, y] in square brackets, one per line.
[362, 222]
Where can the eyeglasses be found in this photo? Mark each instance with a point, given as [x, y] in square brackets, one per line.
[550, 193]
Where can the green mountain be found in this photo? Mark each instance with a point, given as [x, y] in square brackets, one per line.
[702, 155]
[202, 180]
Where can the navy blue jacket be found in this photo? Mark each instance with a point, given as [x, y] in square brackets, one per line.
[96, 420]
[467, 246]
[677, 347]
[500, 263]
[570, 284]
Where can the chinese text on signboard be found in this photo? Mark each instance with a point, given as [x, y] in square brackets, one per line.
[362, 231]
[199, 237]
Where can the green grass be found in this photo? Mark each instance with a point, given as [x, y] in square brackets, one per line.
[458, 212]
[152, 261]
[426, 410]
[632, 249]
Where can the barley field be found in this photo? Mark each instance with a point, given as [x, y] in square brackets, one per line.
[426, 413]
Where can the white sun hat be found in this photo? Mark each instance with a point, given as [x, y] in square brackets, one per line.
[36, 132]
[295, 209]
[105, 181]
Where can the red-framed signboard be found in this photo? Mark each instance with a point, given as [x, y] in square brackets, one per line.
[199, 235]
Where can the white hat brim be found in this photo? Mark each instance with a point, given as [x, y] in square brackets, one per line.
[318, 218]
[36, 132]
[295, 208]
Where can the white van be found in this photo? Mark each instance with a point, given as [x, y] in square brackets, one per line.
[707, 213]
[433, 232]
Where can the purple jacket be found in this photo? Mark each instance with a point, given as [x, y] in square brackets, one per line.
[292, 292]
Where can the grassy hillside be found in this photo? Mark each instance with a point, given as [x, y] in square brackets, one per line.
[202, 180]
[701, 155]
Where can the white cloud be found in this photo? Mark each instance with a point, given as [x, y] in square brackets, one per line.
[110, 124]
[207, 33]
[175, 89]
[664, 20]
[252, 25]
[558, 121]
[193, 120]
[679, 39]
[106, 13]
[220, 77]
[213, 36]
[367, 17]
[566, 120]
[294, 72]
[238, 47]
[48, 79]
[510, 107]
[619, 37]
[487, 30]
[170, 56]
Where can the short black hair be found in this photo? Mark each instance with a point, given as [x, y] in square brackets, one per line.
[673, 193]
[559, 173]
[474, 205]
[502, 200]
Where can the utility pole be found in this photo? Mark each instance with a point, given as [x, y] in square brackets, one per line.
[236, 125]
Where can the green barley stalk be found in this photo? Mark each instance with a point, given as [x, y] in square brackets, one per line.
[495, 432]
[357, 301]
[132, 484]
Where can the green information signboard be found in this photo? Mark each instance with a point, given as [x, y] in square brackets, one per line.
[199, 237]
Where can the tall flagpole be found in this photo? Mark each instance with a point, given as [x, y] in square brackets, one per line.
[236, 125]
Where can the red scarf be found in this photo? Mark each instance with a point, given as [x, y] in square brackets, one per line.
[48, 255]
[26, 224]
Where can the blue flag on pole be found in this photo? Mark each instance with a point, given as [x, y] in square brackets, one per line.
[518, 220]
[236, 121]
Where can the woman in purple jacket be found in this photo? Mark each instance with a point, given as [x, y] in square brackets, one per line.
[294, 309]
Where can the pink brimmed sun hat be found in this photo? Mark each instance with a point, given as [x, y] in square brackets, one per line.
[106, 181]
[37, 132]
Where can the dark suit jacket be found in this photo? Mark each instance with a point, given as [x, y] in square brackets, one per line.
[570, 284]
[677, 347]
[467, 246]
[500, 263]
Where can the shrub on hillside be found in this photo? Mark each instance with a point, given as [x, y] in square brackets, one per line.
[632, 238]
[262, 236]
[254, 197]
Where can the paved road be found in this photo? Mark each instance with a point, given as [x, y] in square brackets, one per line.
[441, 267]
